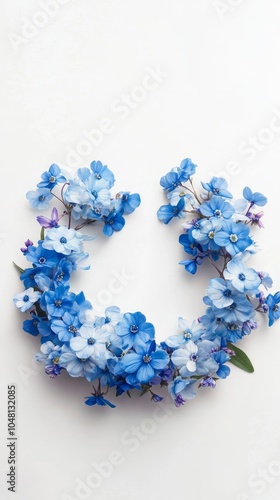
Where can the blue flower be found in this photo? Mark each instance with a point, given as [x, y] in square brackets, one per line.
[242, 278]
[167, 212]
[234, 237]
[221, 357]
[67, 327]
[52, 177]
[186, 170]
[254, 198]
[91, 341]
[63, 272]
[181, 390]
[217, 207]
[239, 310]
[170, 181]
[220, 292]
[186, 334]
[191, 246]
[114, 222]
[31, 325]
[63, 240]
[127, 202]
[98, 400]
[205, 234]
[41, 257]
[26, 299]
[57, 302]
[77, 367]
[101, 171]
[195, 358]
[272, 302]
[40, 198]
[29, 274]
[49, 356]
[144, 363]
[133, 327]
[191, 265]
[217, 186]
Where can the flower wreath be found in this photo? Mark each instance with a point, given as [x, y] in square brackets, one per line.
[119, 349]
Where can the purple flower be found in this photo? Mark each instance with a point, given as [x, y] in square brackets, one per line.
[49, 223]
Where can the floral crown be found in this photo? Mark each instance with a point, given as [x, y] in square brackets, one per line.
[119, 350]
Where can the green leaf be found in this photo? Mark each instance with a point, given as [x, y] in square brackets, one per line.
[18, 268]
[42, 234]
[240, 359]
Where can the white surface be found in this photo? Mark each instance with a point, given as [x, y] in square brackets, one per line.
[220, 80]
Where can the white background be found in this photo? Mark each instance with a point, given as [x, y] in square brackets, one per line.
[217, 89]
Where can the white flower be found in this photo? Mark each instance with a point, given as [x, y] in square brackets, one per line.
[26, 299]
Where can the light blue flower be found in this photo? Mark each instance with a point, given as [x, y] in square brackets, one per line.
[254, 198]
[63, 240]
[40, 198]
[242, 278]
[217, 207]
[186, 334]
[67, 327]
[217, 186]
[50, 357]
[77, 367]
[91, 341]
[234, 237]
[205, 234]
[239, 311]
[181, 390]
[101, 171]
[195, 358]
[25, 300]
[220, 292]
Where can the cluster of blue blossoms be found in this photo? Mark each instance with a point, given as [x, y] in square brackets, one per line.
[119, 349]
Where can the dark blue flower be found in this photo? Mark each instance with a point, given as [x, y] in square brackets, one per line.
[273, 303]
[98, 400]
[167, 212]
[127, 202]
[144, 363]
[41, 257]
[134, 328]
[114, 222]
